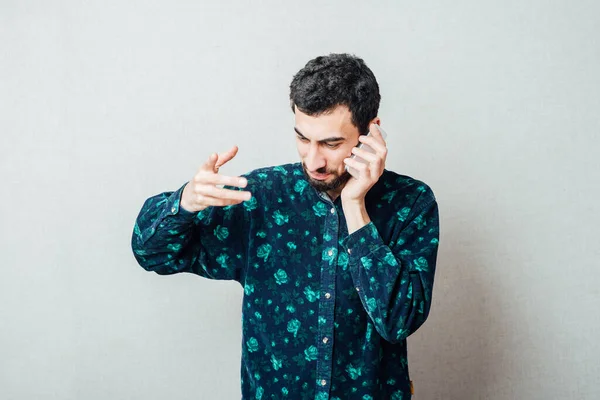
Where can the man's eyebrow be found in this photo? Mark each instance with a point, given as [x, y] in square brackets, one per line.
[326, 140]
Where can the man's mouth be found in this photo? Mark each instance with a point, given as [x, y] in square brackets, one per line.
[317, 176]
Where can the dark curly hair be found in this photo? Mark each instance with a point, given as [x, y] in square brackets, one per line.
[326, 82]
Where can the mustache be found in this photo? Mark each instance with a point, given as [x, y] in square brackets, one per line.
[321, 170]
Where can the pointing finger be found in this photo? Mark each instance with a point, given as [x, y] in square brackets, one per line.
[226, 156]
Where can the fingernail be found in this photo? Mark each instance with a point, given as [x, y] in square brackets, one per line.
[243, 182]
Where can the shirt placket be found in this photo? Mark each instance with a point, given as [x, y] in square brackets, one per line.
[327, 300]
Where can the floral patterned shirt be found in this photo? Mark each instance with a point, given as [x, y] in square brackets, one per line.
[325, 314]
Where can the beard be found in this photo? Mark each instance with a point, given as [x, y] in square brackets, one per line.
[322, 186]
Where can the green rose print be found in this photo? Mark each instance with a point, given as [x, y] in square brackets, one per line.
[280, 169]
[275, 362]
[397, 395]
[311, 353]
[420, 222]
[420, 264]
[281, 277]
[353, 372]
[252, 345]
[248, 289]
[293, 326]
[371, 304]
[389, 259]
[300, 186]
[251, 204]
[402, 332]
[280, 218]
[310, 294]
[221, 232]
[389, 196]
[366, 262]
[320, 209]
[329, 255]
[174, 247]
[305, 279]
[264, 251]
[403, 213]
[222, 260]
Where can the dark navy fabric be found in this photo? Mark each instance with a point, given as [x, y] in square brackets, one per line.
[325, 314]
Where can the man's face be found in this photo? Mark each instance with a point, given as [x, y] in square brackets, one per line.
[323, 143]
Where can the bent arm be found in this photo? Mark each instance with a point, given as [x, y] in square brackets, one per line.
[395, 280]
[167, 239]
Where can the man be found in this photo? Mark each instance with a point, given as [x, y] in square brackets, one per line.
[337, 270]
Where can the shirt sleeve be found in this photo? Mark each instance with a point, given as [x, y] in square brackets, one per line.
[211, 243]
[395, 281]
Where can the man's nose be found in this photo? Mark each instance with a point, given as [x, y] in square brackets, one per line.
[314, 159]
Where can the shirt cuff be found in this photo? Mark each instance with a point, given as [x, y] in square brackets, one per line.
[173, 210]
[361, 243]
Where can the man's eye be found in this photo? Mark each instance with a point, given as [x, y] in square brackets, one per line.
[303, 139]
[332, 145]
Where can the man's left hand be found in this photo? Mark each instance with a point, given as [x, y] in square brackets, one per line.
[357, 188]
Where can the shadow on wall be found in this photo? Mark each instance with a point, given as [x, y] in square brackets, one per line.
[463, 350]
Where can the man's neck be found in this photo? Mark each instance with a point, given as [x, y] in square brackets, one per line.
[334, 194]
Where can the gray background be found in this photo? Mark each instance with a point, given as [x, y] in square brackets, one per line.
[102, 104]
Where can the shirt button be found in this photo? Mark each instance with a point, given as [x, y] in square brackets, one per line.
[333, 210]
[358, 289]
[330, 252]
[349, 251]
[173, 210]
[327, 295]
[325, 339]
[323, 382]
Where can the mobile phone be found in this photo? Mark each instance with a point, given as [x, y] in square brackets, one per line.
[366, 147]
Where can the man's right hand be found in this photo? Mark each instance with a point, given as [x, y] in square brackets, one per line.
[205, 188]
